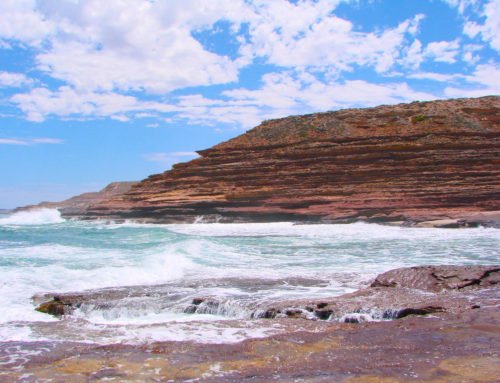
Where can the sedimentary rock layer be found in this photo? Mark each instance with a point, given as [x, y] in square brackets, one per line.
[410, 162]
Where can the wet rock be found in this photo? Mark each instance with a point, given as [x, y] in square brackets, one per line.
[462, 346]
[294, 313]
[437, 278]
[323, 314]
[414, 291]
[191, 309]
[418, 311]
[55, 307]
[271, 313]
[351, 320]
[458, 348]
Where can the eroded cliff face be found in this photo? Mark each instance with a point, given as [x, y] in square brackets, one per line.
[405, 163]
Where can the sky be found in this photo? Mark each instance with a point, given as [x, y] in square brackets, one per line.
[98, 91]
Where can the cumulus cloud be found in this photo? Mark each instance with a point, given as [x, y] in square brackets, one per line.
[13, 80]
[288, 93]
[67, 102]
[484, 81]
[149, 46]
[123, 59]
[22, 22]
[320, 39]
[413, 55]
[490, 29]
[138, 44]
[443, 51]
[281, 93]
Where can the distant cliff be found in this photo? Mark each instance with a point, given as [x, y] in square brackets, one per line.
[79, 204]
[406, 163]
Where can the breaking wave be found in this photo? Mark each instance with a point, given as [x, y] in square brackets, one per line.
[33, 217]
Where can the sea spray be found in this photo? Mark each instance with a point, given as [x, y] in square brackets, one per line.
[33, 217]
[242, 266]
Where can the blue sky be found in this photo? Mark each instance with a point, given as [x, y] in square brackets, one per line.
[98, 91]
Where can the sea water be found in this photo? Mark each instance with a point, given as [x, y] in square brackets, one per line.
[162, 268]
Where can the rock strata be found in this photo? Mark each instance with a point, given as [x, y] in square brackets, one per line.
[425, 163]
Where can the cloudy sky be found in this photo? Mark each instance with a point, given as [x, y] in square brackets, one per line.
[95, 91]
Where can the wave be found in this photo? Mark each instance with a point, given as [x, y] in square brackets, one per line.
[337, 232]
[33, 217]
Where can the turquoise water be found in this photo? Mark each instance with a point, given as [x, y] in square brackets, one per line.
[241, 264]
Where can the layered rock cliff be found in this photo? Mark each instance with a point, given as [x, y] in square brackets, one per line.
[79, 204]
[405, 163]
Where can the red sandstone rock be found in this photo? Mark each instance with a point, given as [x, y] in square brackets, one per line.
[411, 162]
[457, 344]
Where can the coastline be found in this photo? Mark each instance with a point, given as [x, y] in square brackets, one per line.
[380, 165]
[451, 335]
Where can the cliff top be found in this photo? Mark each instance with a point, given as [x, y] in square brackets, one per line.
[417, 118]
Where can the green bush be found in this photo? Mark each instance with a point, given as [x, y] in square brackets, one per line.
[418, 118]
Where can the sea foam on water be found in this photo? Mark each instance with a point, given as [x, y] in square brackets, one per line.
[33, 217]
[238, 266]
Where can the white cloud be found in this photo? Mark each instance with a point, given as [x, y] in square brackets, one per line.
[413, 55]
[320, 39]
[12, 141]
[462, 5]
[490, 30]
[469, 53]
[440, 77]
[30, 141]
[68, 102]
[170, 158]
[108, 54]
[118, 45]
[443, 51]
[295, 91]
[279, 95]
[283, 94]
[13, 80]
[23, 23]
[484, 81]
[140, 45]
[45, 140]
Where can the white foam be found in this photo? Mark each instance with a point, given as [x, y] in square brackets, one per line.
[74, 256]
[343, 232]
[68, 268]
[215, 332]
[33, 217]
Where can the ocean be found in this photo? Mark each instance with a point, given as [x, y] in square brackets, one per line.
[148, 275]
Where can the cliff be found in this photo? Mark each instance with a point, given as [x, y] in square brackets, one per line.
[79, 204]
[410, 163]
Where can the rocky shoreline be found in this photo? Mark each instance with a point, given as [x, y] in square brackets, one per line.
[429, 164]
[443, 327]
